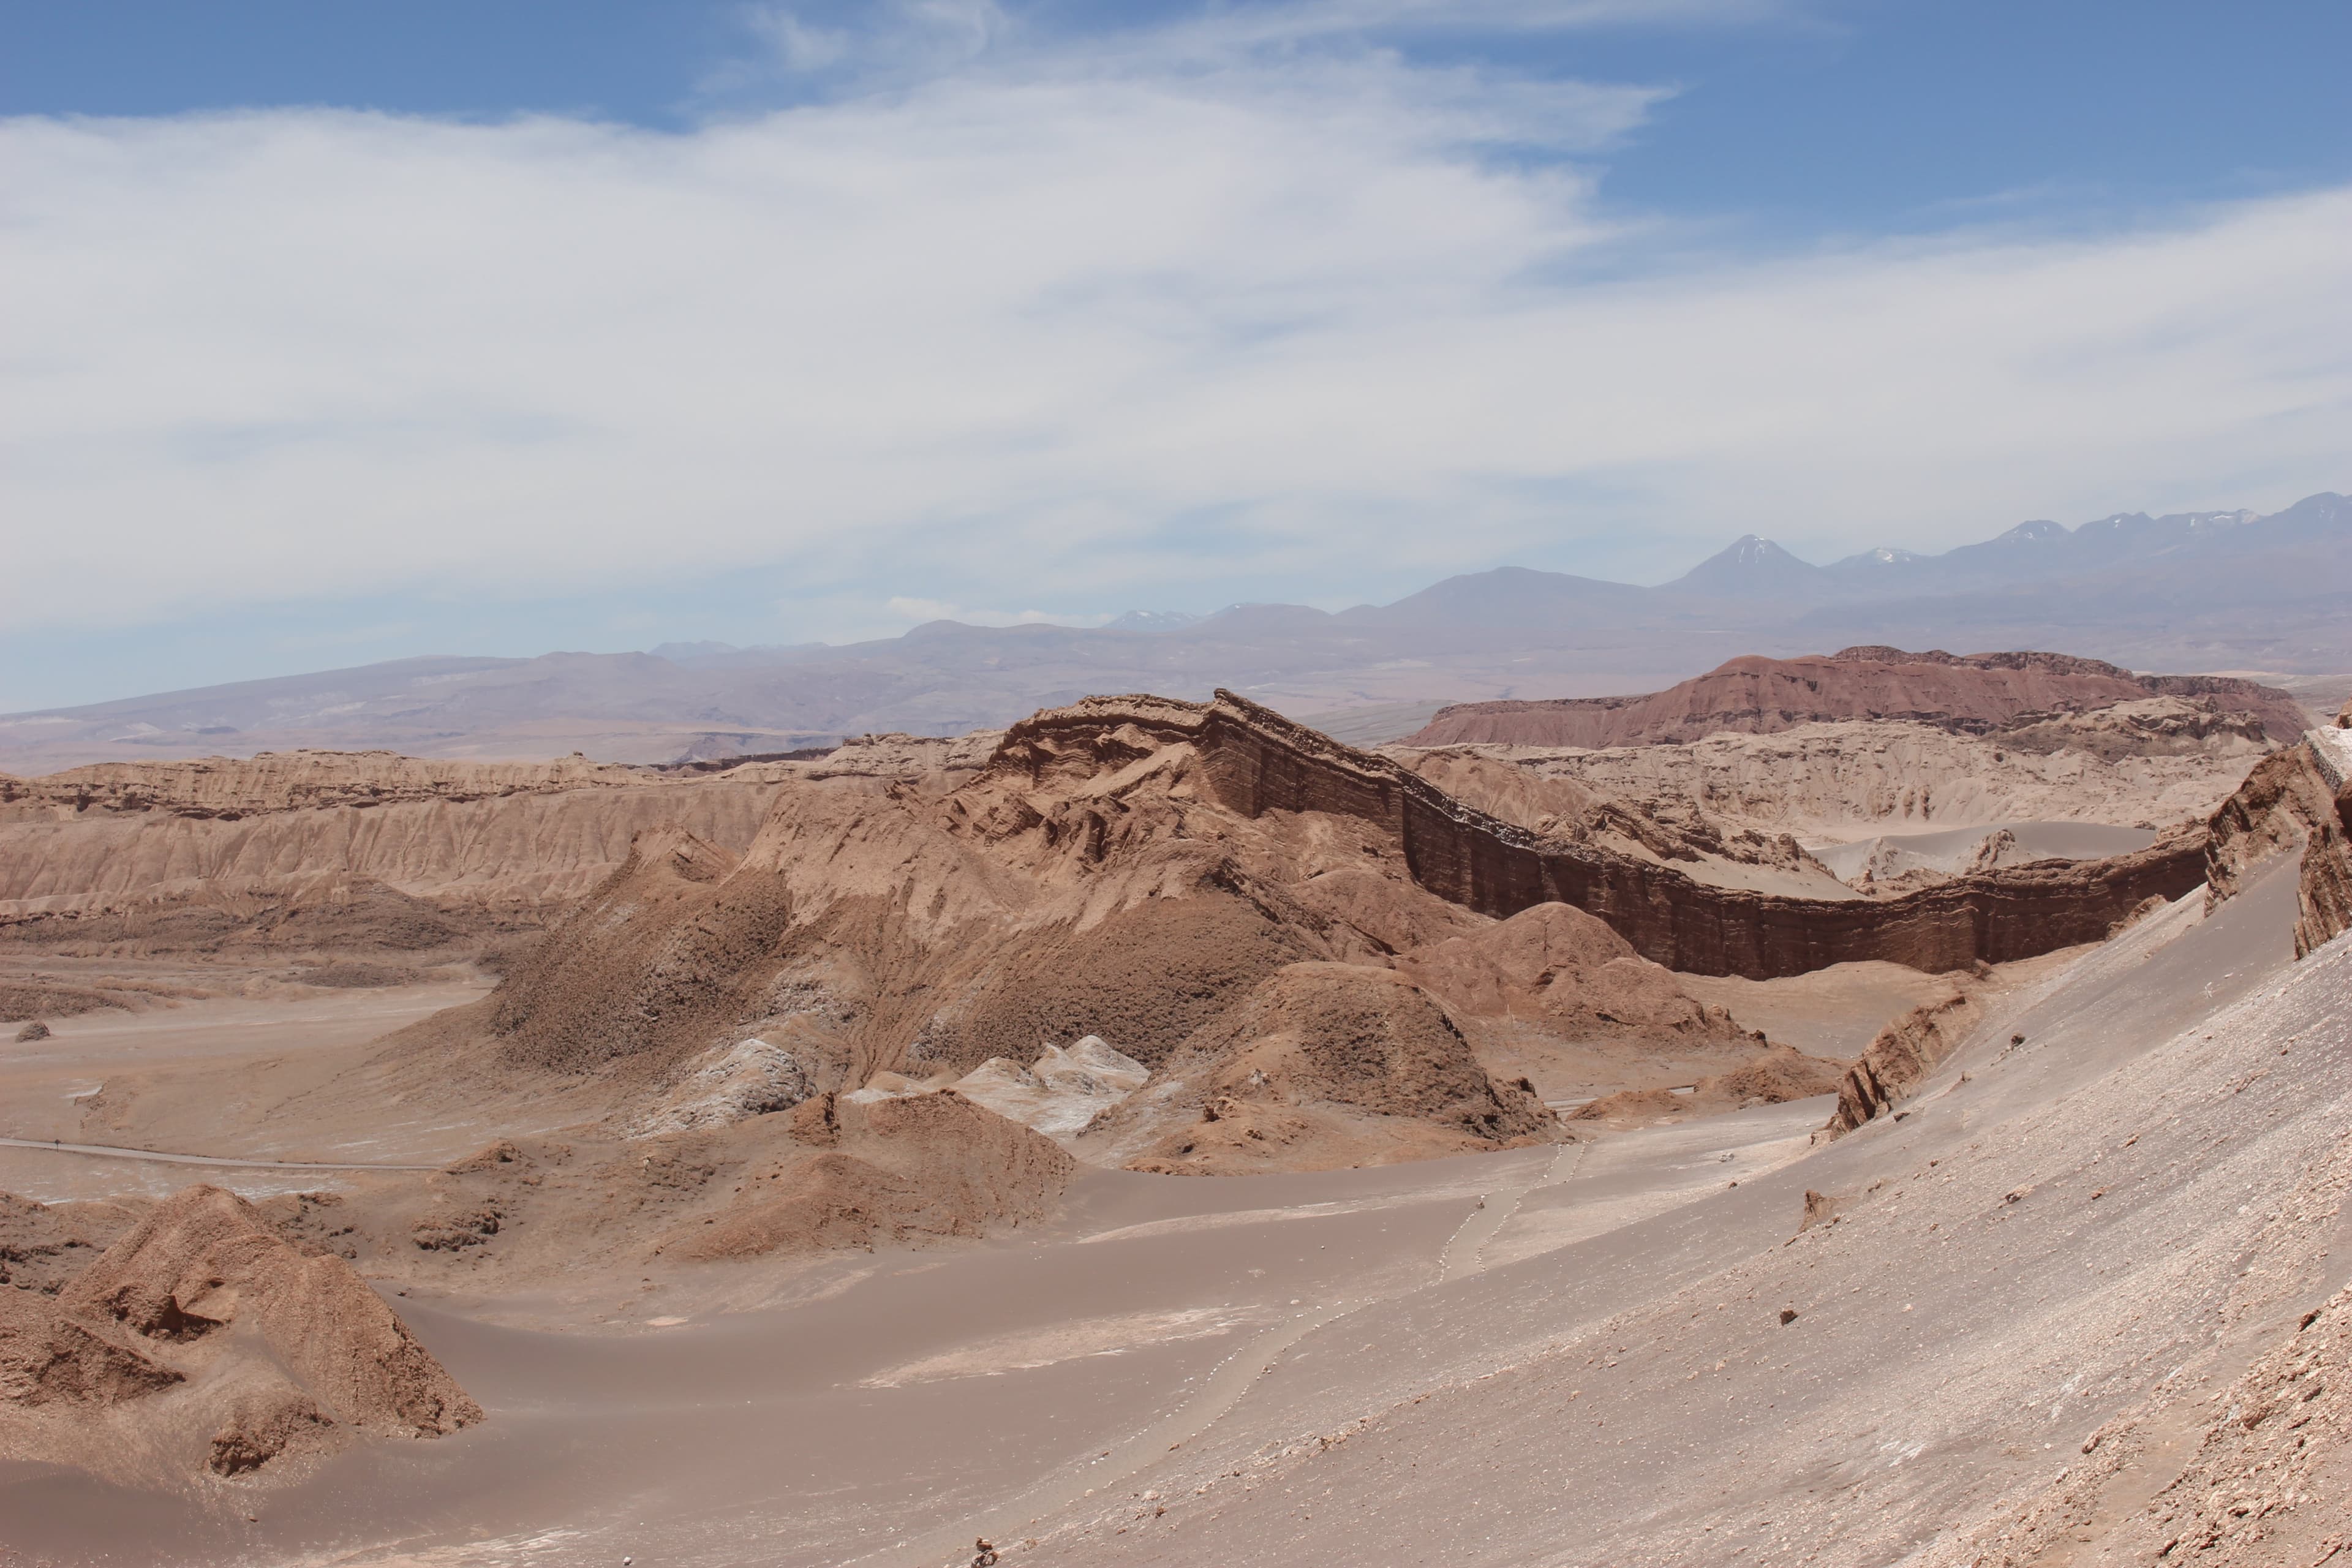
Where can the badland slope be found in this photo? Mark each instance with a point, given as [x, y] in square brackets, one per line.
[1084, 884]
[2041, 1322]
[233, 787]
[1982, 693]
[308, 825]
[550, 833]
[1321, 1064]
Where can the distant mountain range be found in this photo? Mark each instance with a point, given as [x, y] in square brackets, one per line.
[2197, 592]
[2034, 556]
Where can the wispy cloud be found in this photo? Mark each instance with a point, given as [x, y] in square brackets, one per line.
[1110, 328]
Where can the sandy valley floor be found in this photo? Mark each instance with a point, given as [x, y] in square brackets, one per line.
[1572, 1354]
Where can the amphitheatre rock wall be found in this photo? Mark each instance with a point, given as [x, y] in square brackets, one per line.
[1254, 762]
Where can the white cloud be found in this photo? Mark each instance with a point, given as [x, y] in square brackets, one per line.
[1069, 331]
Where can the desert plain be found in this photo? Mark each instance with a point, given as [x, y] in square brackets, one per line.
[1866, 1108]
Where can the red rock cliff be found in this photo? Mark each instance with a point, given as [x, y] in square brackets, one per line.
[1975, 694]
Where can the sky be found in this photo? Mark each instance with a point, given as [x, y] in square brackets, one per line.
[340, 332]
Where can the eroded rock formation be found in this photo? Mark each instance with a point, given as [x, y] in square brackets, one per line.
[201, 1322]
[1903, 1053]
[1321, 1065]
[922, 1168]
[2298, 802]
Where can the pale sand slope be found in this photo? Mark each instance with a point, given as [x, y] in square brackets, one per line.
[1832, 782]
[1570, 1356]
[47, 1087]
[1952, 850]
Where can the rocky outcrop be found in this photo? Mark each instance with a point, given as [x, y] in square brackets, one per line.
[202, 1341]
[2296, 802]
[1254, 761]
[205, 1259]
[1321, 1065]
[50, 1358]
[902, 1171]
[1903, 1053]
[1975, 694]
[1570, 972]
[903, 757]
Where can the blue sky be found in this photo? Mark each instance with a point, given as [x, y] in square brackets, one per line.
[346, 332]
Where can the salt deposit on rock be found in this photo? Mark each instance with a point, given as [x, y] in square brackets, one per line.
[1061, 1091]
[751, 1078]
